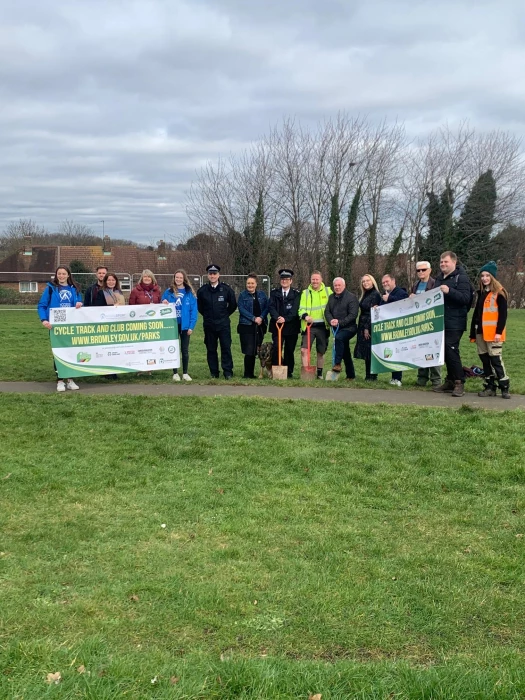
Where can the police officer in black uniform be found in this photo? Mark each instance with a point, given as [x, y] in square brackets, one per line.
[284, 308]
[216, 302]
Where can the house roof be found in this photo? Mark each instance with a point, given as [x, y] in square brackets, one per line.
[41, 264]
[44, 260]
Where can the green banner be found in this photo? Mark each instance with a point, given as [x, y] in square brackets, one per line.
[408, 334]
[114, 340]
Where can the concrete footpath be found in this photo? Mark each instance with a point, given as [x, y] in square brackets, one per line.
[274, 391]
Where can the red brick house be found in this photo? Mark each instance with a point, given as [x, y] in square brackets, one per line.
[28, 270]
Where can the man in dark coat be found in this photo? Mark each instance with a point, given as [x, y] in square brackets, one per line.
[284, 309]
[425, 283]
[216, 303]
[91, 293]
[457, 292]
[341, 314]
[392, 293]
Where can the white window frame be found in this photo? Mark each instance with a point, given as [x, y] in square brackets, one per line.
[33, 287]
[126, 284]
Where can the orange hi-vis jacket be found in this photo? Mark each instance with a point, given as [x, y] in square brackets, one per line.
[489, 318]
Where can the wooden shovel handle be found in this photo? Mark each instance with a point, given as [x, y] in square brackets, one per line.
[308, 326]
[279, 331]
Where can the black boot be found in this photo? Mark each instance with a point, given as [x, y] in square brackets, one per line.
[249, 366]
[504, 386]
[490, 388]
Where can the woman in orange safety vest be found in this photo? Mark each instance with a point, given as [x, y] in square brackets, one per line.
[488, 330]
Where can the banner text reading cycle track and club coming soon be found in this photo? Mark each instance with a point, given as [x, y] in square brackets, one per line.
[408, 334]
[114, 339]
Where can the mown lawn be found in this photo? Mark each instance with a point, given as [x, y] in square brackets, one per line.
[246, 548]
[26, 356]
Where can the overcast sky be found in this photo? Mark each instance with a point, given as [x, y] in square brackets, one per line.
[108, 108]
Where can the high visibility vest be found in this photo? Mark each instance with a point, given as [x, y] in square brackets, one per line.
[489, 318]
[314, 303]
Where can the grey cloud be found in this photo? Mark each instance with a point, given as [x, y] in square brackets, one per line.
[108, 108]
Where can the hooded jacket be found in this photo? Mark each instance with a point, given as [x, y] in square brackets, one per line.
[55, 297]
[188, 307]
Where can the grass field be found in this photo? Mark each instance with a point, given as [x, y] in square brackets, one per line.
[244, 548]
[27, 356]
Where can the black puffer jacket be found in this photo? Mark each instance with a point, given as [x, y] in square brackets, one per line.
[458, 300]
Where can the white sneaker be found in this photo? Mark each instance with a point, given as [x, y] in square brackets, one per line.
[61, 385]
[186, 377]
[176, 377]
[70, 384]
[395, 382]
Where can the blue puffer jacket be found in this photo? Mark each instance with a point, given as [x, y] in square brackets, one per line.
[189, 307]
[245, 306]
[55, 297]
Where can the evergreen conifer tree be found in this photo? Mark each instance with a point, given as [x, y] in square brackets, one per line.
[472, 233]
[390, 265]
[349, 238]
[333, 239]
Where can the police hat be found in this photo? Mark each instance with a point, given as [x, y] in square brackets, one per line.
[213, 268]
[286, 273]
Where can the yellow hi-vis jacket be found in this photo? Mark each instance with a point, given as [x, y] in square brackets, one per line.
[313, 303]
[489, 318]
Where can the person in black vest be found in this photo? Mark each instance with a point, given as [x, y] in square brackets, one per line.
[457, 298]
[392, 293]
[284, 308]
[91, 293]
[216, 303]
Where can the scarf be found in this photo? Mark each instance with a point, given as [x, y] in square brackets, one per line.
[113, 297]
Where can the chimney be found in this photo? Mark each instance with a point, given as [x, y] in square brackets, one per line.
[161, 250]
[28, 245]
[106, 249]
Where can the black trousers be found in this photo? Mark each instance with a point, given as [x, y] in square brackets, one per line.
[452, 357]
[288, 351]
[184, 350]
[224, 337]
[342, 351]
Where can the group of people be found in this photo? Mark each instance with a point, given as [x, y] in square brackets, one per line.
[316, 313]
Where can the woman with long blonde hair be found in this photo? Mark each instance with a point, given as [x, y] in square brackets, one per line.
[147, 291]
[182, 295]
[368, 298]
[488, 330]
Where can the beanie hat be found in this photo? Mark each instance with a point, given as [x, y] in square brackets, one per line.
[490, 267]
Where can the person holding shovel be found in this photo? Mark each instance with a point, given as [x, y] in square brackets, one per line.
[341, 314]
[311, 310]
[284, 309]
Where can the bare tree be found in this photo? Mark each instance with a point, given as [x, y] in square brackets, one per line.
[77, 234]
[292, 174]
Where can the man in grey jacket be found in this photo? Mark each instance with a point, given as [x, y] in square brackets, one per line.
[425, 283]
[341, 314]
